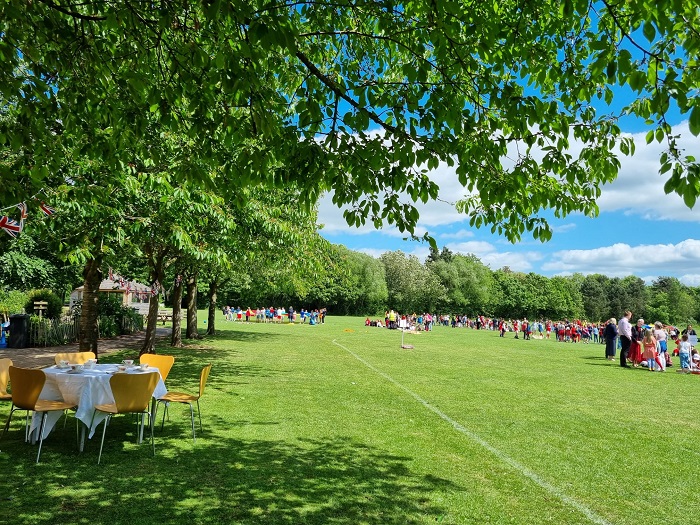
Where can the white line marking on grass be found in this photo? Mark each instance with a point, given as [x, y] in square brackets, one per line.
[488, 446]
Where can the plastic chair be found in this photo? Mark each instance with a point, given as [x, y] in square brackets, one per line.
[74, 358]
[5, 365]
[164, 363]
[181, 397]
[27, 384]
[132, 395]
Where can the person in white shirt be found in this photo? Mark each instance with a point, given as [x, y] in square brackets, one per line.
[625, 329]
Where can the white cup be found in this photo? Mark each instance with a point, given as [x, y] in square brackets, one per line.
[63, 363]
[128, 362]
[143, 366]
[77, 368]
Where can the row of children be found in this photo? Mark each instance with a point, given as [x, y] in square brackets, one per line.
[272, 314]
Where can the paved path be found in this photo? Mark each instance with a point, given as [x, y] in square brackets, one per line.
[38, 357]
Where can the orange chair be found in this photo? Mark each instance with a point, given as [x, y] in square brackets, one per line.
[181, 397]
[164, 363]
[132, 395]
[74, 358]
[26, 386]
[5, 365]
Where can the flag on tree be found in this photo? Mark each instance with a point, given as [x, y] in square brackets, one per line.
[11, 226]
[23, 214]
[48, 210]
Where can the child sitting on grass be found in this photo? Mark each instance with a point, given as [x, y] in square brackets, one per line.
[694, 361]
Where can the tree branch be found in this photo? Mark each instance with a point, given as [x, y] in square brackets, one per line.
[74, 14]
[333, 86]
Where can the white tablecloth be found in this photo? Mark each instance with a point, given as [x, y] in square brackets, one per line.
[85, 389]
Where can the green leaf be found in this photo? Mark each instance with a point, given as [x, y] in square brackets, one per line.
[611, 70]
[649, 31]
[689, 198]
[694, 120]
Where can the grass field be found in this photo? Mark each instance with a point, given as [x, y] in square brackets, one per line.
[337, 424]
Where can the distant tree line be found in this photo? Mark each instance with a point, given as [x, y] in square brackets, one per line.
[354, 283]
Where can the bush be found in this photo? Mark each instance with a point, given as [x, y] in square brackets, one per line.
[111, 306]
[54, 308]
[12, 302]
[108, 326]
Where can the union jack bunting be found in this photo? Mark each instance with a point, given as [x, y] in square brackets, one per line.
[48, 210]
[111, 275]
[23, 214]
[122, 282]
[178, 280]
[155, 288]
[11, 226]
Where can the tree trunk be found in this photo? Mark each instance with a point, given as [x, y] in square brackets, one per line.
[149, 343]
[176, 337]
[211, 319]
[92, 278]
[192, 332]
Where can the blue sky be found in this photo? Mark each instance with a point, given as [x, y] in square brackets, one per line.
[640, 230]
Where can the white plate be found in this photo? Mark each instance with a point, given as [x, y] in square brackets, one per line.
[75, 371]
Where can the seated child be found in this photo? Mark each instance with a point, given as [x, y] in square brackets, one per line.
[695, 360]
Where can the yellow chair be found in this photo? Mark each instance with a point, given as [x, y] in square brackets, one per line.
[164, 363]
[74, 358]
[5, 365]
[181, 397]
[132, 395]
[27, 384]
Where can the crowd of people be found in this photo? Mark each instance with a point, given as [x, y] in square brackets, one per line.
[274, 315]
[426, 321]
[639, 345]
[644, 345]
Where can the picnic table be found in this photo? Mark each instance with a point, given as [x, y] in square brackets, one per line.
[165, 315]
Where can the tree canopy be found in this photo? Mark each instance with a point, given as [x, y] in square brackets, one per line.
[361, 98]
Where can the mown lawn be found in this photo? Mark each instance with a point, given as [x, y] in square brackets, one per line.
[338, 424]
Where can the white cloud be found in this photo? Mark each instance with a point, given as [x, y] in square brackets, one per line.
[691, 279]
[639, 189]
[461, 234]
[494, 259]
[563, 228]
[622, 259]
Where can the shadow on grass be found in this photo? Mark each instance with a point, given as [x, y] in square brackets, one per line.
[221, 479]
[195, 353]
